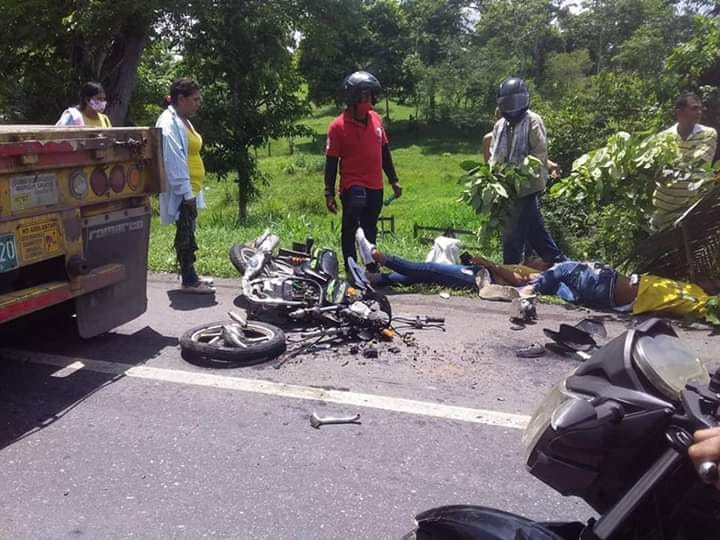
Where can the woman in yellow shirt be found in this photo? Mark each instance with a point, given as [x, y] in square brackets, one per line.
[89, 113]
[185, 173]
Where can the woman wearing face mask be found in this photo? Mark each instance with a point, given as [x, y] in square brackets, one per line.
[89, 113]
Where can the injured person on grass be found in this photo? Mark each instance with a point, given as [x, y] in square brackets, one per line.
[590, 284]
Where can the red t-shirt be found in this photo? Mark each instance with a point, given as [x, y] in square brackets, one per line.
[359, 147]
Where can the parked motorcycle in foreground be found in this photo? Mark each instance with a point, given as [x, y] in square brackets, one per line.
[615, 433]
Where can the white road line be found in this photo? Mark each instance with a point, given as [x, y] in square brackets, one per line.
[194, 378]
[68, 370]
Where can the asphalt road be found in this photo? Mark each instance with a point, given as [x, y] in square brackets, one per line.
[139, 443]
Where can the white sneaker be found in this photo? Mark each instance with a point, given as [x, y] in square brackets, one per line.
[207, 280]
[364, 246]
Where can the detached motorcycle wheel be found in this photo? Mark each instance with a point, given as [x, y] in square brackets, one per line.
[240, 254]
[226, 342]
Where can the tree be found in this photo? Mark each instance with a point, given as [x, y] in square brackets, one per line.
[386, 46]
[566, 73]
[241, 55]
[50, 48]
[333, 46]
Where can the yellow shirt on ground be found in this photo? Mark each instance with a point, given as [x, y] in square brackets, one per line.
[195, 162]
[665, 296]
[100, 121]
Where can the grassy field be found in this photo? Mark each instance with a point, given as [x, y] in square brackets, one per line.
[291, 203]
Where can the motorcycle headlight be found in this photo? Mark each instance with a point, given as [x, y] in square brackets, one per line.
[668, 364]
[557, 400]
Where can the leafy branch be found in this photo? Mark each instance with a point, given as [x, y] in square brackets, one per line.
[491, 188]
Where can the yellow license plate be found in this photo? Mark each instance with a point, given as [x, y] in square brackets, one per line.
[38, 240]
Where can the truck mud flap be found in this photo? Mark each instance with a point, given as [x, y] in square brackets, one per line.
[120, 237]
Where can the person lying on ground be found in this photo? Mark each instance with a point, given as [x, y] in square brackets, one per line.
[590, 284]
[478, 272]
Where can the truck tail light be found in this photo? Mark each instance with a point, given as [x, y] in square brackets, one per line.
[99, 182]
[117, 178]
[134, 178]
[78, 184]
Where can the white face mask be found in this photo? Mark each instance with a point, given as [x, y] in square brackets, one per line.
[97, 105]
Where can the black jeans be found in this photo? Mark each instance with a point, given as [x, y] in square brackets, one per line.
[185, 245]
[361, 207]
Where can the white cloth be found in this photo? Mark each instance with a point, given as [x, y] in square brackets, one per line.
[71, 117]
[175, 155]
[445, 250]
[513, 151]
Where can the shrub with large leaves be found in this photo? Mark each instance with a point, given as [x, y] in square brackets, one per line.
[616, 184]
[491, 188]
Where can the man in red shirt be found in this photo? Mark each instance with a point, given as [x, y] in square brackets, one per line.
[357, 141]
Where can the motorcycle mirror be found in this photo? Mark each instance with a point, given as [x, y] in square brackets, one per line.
[573, 413]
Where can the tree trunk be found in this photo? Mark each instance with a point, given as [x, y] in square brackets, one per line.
[119, 71]
[245, 182]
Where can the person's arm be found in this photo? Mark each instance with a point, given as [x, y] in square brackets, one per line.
[331, 167]
[537, 140]
[706, 447]
[486, 144]
[387, 165]
[333, 152]
[176, 167]
[503, 276]
[709, 154]
[389, 168]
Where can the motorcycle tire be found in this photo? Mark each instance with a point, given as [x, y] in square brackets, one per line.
[268, 341]
[240, 254]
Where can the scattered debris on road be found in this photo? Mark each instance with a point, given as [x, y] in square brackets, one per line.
[317, 421]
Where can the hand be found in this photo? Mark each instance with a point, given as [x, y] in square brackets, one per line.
[397, 189]
[554, 169]
[706, 447]
[330, 203]
[190, 203]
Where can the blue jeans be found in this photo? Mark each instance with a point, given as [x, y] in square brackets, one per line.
[408, 272]
[527, 226]
[588, 284]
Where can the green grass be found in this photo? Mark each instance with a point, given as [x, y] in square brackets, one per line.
[427, 160]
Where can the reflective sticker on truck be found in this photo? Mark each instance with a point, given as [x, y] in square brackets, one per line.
[33, 190]
[8, 253]
[39, 240]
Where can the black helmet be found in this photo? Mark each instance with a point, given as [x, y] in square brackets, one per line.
[513, 98]
[359, 83]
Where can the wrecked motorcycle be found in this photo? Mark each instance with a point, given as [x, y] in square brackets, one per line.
[299, 285]
[615, 433]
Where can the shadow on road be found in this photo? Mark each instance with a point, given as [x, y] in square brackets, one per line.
[34, 395]
[182, 301]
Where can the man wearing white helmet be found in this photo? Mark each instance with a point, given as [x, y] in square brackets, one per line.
[518, 134]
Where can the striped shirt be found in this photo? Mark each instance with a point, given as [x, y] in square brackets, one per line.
[673, 197]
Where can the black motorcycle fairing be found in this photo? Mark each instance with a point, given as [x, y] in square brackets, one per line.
[469, 522]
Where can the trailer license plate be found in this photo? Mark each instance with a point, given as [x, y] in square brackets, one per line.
[8, 253]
